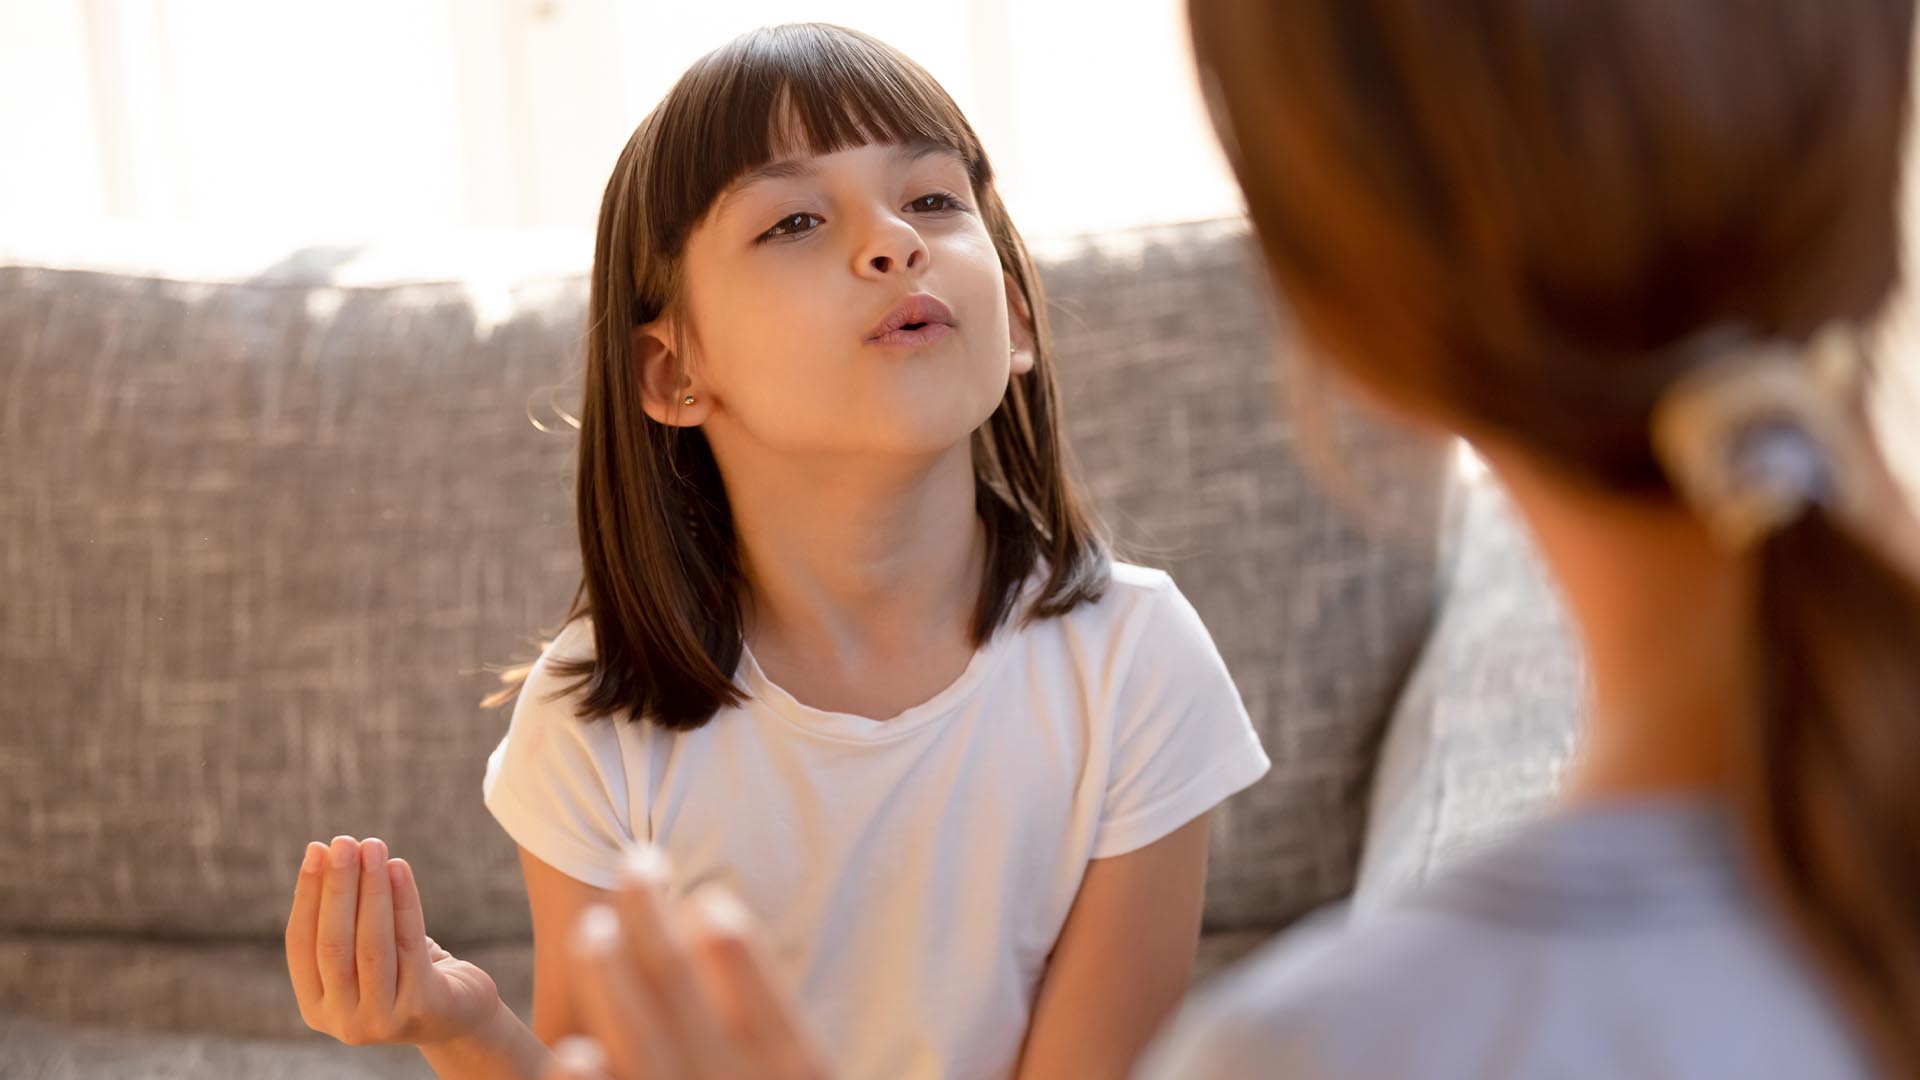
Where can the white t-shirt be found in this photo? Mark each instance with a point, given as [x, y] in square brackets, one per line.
[912, 874]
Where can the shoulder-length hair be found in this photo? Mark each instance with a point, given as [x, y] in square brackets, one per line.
[662, 581]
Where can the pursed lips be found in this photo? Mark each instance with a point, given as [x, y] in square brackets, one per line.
[920, 319]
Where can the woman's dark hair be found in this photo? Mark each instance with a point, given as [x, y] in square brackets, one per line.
[662, 581]
[1516, 212]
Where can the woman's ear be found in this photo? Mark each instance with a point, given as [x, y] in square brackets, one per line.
[1019, 327]
[667, 392]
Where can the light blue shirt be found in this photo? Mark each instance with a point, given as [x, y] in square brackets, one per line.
[1615, 942]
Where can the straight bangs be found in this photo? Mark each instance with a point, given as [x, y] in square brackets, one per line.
[782, 92]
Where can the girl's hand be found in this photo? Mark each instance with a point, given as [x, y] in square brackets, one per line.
[363, 967]
[677, 990]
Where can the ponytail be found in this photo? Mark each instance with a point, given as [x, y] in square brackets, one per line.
[1770, 444]
[1831, 785]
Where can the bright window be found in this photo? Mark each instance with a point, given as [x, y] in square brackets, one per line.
[361, 118]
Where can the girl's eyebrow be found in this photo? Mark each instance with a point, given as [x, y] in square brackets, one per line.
[790, 168]
[912, 152]
[801, 168]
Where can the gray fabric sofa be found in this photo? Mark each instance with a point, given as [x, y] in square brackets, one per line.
[265, 524]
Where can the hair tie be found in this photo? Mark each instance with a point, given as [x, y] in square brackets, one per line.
[1760, 431]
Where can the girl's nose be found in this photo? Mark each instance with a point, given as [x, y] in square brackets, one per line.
[892, 247]
[885, 263]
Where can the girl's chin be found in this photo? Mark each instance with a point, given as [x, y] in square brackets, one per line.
[929, 434]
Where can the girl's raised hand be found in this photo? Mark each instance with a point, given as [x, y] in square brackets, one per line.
[673, 990]
[363, 967]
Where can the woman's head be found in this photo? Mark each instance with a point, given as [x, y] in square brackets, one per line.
[1530, 220]
[1510, 214]
[797, 193]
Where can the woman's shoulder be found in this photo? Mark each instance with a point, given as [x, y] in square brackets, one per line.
[1528, 958]
[1382, 996]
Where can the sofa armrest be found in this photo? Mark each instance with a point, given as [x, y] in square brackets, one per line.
[1489, 720]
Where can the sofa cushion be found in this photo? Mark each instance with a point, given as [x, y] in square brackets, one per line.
[40, 1049]
[235, 988]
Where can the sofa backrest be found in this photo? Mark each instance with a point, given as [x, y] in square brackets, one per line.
[263, 536]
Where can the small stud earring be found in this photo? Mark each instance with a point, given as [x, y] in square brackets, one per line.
[688, 400]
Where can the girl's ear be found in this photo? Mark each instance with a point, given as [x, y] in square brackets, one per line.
[1019, 327]
[664, 382]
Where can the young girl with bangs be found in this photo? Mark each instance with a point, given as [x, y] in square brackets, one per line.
[849, 649]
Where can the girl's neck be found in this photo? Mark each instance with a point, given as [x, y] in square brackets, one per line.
[1667, 624]
[848, 564]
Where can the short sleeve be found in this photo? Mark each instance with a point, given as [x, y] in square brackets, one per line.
[1182, 740]
[557, 783]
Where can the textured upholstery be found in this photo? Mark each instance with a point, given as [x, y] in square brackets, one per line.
[1490, 718]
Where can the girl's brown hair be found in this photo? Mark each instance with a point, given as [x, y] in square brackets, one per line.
[662, 581]
[1516, 212]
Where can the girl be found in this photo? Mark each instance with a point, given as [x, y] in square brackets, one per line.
[1628, 250]
[847, 643]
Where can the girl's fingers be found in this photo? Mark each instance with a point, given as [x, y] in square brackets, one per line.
[658, 951]
[734, 967]
[577, 1058]
[302, 926]
[373, 935]
[333, 934]
[414, 950]
[611, 1000]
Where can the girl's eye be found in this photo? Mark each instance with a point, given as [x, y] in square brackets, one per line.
[792, 225]
[934, 203]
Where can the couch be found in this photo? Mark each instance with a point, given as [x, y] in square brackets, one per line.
[270, 520]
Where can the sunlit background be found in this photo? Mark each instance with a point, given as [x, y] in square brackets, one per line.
[305, 121]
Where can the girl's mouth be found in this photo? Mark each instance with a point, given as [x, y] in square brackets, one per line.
[918, 319]
[914, 334]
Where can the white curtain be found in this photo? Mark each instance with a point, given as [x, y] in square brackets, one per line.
[351, 119]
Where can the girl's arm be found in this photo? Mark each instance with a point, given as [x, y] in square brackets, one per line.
[1123, 959]
[508, 1048]
[556, 902]
[505, 1049]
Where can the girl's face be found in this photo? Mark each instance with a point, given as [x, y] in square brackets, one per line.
[795, 281]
